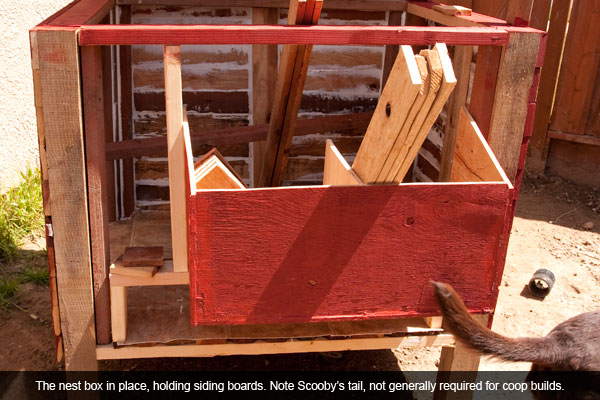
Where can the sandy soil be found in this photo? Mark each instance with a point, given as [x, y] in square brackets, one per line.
[548, 232]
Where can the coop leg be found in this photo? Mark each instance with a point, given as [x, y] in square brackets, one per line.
[458, 363]
[118, 312]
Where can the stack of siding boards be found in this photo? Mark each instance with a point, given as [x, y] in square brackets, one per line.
[214, 172]
[414, 95]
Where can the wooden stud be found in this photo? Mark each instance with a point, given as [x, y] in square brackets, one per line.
[430, 69]
[392, 109]
[95, 35]
[264, 72]
[462, 68]
[509, 114]
[176, 149]
[118, 312]
[448, 84]
[474, 161]
[118, 268]
[164, 277]
[93, 109]
[337, 172]
[59, 78]
[263, 347]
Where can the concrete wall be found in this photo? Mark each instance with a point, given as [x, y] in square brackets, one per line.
[18, 135]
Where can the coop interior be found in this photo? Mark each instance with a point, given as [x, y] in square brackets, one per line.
[293, 159]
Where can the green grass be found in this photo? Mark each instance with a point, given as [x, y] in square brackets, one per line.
[8, 288]
[35, 275]
[21, 214]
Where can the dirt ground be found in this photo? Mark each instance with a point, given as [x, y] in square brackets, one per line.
[548, 232]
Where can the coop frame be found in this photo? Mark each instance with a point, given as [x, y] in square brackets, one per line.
[67, 66]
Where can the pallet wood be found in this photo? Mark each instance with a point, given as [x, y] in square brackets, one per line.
[352, 124]
[103, 35]
[59, 78]
[345, 228]
[288, 96]
[448, 84]
[337, 172]
[393, 107]
[175, 140]
[93, 109]
[509, 114]
[264, 71]
[462, 68]
[474, 161]
[418, 112]
[139, 256]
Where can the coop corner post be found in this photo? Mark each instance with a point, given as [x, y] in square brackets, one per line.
[59, 77]
[176, 150]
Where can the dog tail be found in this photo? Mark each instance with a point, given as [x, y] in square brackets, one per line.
[462, 325]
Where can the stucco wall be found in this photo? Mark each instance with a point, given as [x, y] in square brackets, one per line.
[18, 135]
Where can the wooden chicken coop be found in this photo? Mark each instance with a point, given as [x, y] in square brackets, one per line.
[316, 263]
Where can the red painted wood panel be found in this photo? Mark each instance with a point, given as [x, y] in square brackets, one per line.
[332, 253]
[272, 34]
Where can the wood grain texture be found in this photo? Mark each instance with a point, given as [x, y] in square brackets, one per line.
[362, 5]
[59, 78]
[579, 69]
[107, 68]
[140, 256]
[448, 84]
[264, 72]
[250, 265]
[81, 12]
[424, 9]
[432, 78]
[484, 86]
[95, 147]
[452, 10]
[393, 107]
[118, 314]
[462, 68]
[391, 51]
[176, 155]
[509, 114]
[337, 172]
[94, 35]
[474, 161]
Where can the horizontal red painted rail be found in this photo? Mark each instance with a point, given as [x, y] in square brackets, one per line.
[94, 35]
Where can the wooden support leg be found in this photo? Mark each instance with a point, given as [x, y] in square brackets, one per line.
[459, 359]
[118, 312]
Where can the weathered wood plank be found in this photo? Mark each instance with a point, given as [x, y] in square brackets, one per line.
[354, 234]
[95, 147]
[515, 77]
[61, 101]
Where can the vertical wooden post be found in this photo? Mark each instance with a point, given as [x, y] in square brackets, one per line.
[176, 151]
[118, 305]
[264, 72]
[462, 69]
[126, 115]
[548, 82]
[59, 75]
[391, 51]
[95, 146]
[515, 76]
[107, 69]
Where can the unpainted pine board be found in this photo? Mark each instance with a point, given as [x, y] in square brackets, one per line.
[557, 29]
[97, 183]
[264, 73]
[176, 150]
[59, 79]
[165, 276]
[462, 69]
[337, 172]
[214, 174]
[357, 236]
[579, 69]
[452, 10]
[425, 10]
[474, 161]
[118, 314]
[430, 70]
[403, 85]
[448, 84]
[391, 50]
[118, 268]
[509, 114]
